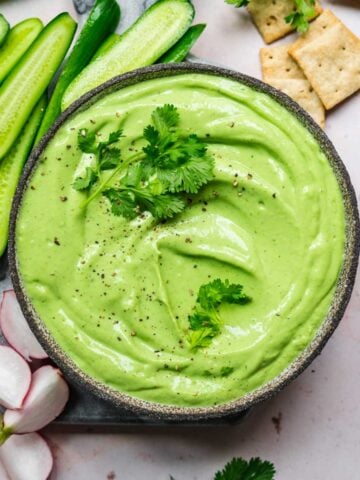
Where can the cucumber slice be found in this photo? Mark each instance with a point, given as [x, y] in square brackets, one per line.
[4, 29]
[102, 20]
[20, 37]
[11, 167]
[26, 83]
[179, 51]
[142, 44]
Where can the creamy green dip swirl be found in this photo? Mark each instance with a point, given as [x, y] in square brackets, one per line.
[116, 295]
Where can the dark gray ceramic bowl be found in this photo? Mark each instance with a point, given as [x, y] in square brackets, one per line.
[342, 294]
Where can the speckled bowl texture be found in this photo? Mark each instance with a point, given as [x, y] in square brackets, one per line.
[342, 294]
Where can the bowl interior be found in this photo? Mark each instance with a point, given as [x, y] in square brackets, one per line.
[340, 299]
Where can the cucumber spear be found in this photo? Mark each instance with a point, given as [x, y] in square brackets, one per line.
[29, 79]
[157, 30]
[4, 29]
[12, 165]
[101, 22]
[19, 39]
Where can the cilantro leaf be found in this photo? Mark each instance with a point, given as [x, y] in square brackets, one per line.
[87, 141]
[201, 338]
[88, 144]
[153, 179]
[205, 323]
[165, 206]
[181, 163]
[115, 137]
[129, 202]
[214, 293]
[122, 203]
[188, 177]
[165, 119]
[109, 158]
[85, 182]
[106, 157]
[238, 3]
[200, 320]
[300, 18]
[240, 469]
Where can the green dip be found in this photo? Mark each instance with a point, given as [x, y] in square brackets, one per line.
[116, 295]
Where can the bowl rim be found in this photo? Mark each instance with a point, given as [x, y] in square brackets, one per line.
[345, 283]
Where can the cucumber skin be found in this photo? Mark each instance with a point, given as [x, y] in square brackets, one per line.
[24, 86]
[106, 45]
[4, 29]
[11, 168]
[111, 63]
[179, 51]
[102, 20]
[19, 39]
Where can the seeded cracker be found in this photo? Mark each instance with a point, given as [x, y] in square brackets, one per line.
[329, 54]
[268, 16]
[283, 73]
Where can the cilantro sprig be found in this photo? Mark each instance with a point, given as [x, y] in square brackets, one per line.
[154, 179]
[299, 19]
[106, 156]
[206, 323]
[238, 3]
[240, 469]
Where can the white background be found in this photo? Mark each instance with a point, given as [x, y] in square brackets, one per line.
[320, 427]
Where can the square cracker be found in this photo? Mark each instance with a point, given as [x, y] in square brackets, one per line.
[283, 73]
[268, 16]
[329, 55]
[277, 63]
[301, 91]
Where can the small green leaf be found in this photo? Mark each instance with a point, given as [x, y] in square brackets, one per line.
[110, 158]
[214, 293]
[165, 118]
[205, 323]
[153, 179]
[299, 19]
[115, 137]
[238, 3]
[87, 141]
[240, 469]
[122, 203]
[86, 182]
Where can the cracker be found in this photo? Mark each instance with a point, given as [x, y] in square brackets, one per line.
[283, 73]
[268, 16]
[301, 91]
[330, 59]
[277, 63]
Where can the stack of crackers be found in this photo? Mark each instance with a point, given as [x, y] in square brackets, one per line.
[320, 69]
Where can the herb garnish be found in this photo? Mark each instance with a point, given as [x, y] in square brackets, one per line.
[240, 469]
[205, 322]
[154, 179]
[238, 3]
[299, 19]
[106, 157]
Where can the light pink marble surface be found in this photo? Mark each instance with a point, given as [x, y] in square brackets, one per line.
[320, 427]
